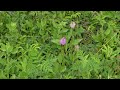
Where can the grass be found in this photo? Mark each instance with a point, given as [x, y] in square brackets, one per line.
[30, 45]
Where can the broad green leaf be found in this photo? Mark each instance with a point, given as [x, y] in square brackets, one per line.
[3, 47]
[56, 41]
[23, 75]
[33, 52]
[76, 41]
[107, 31]
[12, 26]
[96, 38]
[24, 64]
[13, 76]
[15, 50]
[2, 75]
[79, 30]
[85, 61]
[63, 68]
[63, 31]
[9, 48]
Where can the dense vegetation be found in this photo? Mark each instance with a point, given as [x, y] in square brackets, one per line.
[30, 46]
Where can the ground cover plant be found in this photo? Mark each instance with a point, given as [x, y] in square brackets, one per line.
[59, 44]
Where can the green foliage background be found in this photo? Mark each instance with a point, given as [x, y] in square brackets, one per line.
[30, 48]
